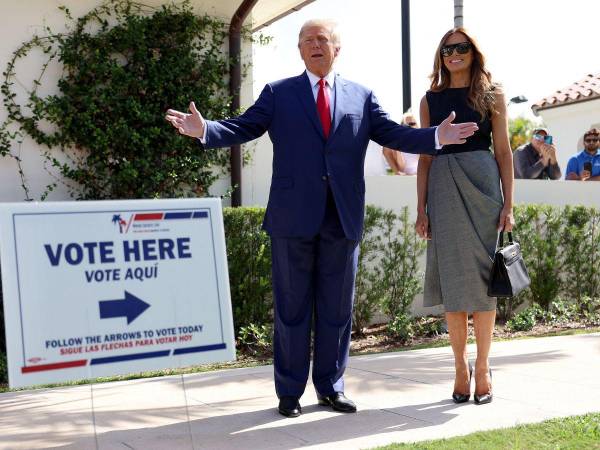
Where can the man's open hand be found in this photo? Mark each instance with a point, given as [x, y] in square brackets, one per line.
[188, 124]
[449, 133]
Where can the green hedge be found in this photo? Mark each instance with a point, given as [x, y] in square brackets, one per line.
[249, 263]
[561, 248]
[388, 274]
[388, 277]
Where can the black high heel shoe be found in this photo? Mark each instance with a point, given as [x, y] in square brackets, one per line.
[463, 398]
[484, 398]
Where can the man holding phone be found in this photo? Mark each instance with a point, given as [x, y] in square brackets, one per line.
[537, 160]
[585, 166]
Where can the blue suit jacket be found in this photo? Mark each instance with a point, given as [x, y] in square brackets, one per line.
[304, 162]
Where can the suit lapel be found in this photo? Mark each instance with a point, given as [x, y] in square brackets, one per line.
[338, 110]
[307, 99]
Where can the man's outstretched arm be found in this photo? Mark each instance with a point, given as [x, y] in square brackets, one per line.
[411, 140]
[223, 133]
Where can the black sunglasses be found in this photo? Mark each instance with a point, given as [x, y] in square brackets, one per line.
[592, 139]
[411, 124]
[461, 48]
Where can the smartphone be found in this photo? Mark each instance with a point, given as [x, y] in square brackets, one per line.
[548, 140]
[587, 166]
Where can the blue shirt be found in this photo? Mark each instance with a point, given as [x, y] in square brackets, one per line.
[576, 163]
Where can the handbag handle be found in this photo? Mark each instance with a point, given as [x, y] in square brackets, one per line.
[500, 243]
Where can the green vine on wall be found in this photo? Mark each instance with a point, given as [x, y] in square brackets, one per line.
[123, 65]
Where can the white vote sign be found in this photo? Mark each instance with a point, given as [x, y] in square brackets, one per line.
[111, 287]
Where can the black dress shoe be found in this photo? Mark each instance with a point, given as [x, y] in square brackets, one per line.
[338, 402]
[289, 407]
[463, 398]
[484, 398]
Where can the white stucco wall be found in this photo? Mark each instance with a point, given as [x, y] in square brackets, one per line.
[568, 123]
[19, 21]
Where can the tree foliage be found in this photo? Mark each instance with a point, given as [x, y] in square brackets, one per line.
[519, 130]
[123, 65]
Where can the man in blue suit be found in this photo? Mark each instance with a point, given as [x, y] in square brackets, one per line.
[320, 125]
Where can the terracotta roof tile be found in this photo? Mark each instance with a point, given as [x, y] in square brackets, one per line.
[586, 89]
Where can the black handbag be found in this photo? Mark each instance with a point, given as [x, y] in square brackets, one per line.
[509, 275]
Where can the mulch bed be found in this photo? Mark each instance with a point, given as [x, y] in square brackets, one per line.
[376, 339]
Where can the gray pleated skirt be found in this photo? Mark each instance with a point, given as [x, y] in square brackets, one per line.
[464, 200]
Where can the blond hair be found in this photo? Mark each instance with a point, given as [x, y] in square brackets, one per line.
[329, 24]
[406, 115]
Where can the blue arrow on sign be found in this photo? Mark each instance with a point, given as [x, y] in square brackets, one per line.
[130, 307]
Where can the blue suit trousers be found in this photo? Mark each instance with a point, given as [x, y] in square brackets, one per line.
[313, 277]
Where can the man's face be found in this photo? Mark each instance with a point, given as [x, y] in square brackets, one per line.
[591, 143]
[318, 50]
[536, 141]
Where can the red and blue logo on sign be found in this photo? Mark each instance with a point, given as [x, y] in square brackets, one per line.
[124, 225]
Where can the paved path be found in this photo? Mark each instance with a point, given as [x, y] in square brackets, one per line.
[401, 397]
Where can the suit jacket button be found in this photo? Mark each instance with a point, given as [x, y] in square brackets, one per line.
[324, 178]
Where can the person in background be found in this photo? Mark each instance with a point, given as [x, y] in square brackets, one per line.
[375, 163]
[585, 165]
[537, 160]
[401, 163]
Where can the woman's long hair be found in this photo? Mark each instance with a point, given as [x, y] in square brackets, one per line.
[481, 95]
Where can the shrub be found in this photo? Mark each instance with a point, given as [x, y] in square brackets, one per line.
[368, 289]
[588, 305]
[402, 327]
[559, 311]
[581, 252]
[428, 326]
[589, 310]
[506, 306]
[399, 266]
[388, 276]
[249, 262]
[523, 321]
[256, 339]
[3, 368]
[539, 233]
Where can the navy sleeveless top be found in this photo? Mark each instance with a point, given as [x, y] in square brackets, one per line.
[442, 103]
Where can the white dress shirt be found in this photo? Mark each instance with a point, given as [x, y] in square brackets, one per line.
[329, 81]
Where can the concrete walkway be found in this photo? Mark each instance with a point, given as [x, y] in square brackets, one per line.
[401, 397]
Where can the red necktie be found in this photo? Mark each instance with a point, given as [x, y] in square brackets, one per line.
[323, 108]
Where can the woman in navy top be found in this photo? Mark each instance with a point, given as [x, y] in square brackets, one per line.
[465, 196]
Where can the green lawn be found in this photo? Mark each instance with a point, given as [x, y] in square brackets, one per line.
[572, 433]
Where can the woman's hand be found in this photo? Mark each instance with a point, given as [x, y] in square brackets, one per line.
[422, 225]
[507, 220]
